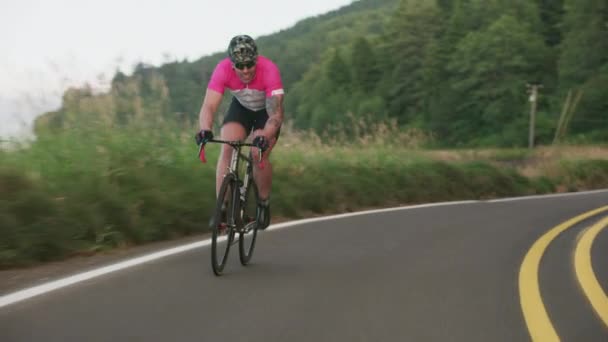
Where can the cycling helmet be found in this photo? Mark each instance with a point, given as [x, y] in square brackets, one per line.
[242, 49]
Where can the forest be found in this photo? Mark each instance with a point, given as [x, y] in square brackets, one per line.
[461, 71]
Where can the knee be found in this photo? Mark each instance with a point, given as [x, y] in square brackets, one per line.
[226, 153]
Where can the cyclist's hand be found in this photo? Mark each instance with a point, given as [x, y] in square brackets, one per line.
[203, 137]
[260, 142]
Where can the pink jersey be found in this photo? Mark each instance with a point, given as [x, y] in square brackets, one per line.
[252, 95]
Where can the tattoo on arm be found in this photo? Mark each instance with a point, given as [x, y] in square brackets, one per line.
[274, 107]
[274, 122]
[274, 104]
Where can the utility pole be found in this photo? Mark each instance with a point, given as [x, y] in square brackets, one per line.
[533, 91]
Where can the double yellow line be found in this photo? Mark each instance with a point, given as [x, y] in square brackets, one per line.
[584, 271]
[535, 314]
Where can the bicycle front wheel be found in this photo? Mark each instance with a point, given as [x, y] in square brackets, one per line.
[248, 215]
[223, 224]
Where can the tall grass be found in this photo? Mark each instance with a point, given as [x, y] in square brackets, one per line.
[77, 193]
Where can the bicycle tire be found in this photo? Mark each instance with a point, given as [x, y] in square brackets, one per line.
[220, 247]
[248, 216]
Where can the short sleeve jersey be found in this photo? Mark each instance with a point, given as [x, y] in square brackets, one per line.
[252, 95]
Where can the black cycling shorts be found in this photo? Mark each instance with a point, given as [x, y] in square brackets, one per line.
[248, 118]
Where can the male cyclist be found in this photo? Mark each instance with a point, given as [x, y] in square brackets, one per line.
[256, 108]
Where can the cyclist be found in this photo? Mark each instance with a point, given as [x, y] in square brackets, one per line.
[256, 109]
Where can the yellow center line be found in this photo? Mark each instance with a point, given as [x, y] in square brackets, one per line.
[535, 314]
[584, 271]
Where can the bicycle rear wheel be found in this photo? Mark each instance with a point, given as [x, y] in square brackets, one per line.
[222, 226]
[248, 215]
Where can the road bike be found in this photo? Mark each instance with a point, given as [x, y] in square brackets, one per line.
[236, 209]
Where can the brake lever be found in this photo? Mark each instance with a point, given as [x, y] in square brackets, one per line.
[201, 153]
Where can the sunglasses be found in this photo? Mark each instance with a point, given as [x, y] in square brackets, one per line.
[242, 66]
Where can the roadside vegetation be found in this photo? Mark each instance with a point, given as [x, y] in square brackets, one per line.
[85, 191]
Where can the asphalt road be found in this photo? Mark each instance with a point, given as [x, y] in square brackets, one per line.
[441, 273]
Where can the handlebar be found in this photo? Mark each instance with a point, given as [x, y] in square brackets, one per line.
[236, 144]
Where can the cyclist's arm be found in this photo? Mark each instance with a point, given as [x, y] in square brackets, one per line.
[210, 104]
[274, 107]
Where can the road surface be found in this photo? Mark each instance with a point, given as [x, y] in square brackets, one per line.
[448, 272]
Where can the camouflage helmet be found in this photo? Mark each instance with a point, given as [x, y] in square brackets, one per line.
[242, 49]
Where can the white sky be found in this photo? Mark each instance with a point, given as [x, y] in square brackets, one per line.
[47, 45]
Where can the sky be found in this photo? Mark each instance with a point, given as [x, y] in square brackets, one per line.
[49, 45]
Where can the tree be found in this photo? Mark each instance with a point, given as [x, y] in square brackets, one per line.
[551, 15]
[585, 45]
[491, 69]
[366, 73]
[583, 63]
[408, 45]
[338, 71]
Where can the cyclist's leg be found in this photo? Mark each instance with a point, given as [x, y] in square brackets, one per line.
[230, 131]
[233, 128]
[263, 177]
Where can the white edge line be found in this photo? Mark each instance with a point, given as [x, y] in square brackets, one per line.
[77, 278]
[531, 197]
[366, 212]
[34, 291]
